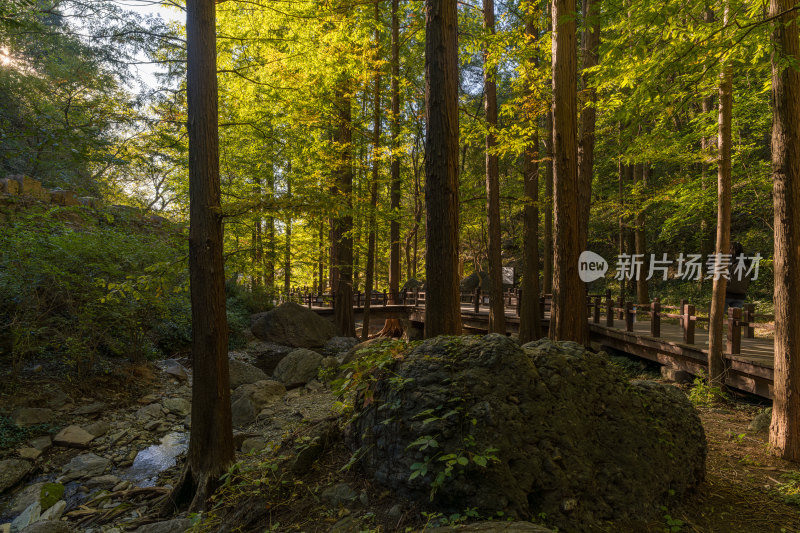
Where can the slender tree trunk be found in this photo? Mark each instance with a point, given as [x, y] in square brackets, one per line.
[343, 223]
[211, 440]
[706, 144]
[630, 230]
[621, 218]
[497, 318]
[640, 237]
[716, 358]
[547, 274]
[287, 252]
[785, 429]
[321, 260]
[269, 259]
[591, 43]
[442, 305]
[530, 327]
[568, 320]
[373, 186]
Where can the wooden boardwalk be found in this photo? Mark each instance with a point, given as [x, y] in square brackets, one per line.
[750, 370]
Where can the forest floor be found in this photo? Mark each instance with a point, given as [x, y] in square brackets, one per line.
[747, 490]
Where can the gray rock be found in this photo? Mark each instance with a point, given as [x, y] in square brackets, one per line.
[98, 429]
[12, 471]
[55, 512]
[558, 430]
[338, 346]
[260, 393]
[243, 373]
[85, 465]
[242, 412]
[29, 453]
[253, 444]
[267, 355]
[761, 422]
[49, 526]
[176, 370]
[30, 515]
[30, 416]
[177, 525]
[25, 498]
[329, 362]
[106, 481]
[91, 409]
[73, 436]
[298, 368]
[150, 412]
[42, 443]
[178, 406]
[291, 324]
[339, 494]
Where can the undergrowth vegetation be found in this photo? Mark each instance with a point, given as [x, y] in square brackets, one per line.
[76, 284]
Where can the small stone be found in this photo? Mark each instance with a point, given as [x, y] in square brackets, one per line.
[761, 422]
[31, 416]
[176, 370]
[24, 498]
[98, 429]
[91, 409]
[29, 453]
[12, 471]
[148, 412]
[55, 512]
[30, 515]
[85, 465]
[178, 406]
[104, 482]
[253, 445]
[569, 505]
[73, 436]
[339, 494]
[42, 443]
[122, 485]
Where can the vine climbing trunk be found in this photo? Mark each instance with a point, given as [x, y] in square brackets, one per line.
[568, 315]
[442, 306]
[785, 428]
[716, 357]
[211, 439]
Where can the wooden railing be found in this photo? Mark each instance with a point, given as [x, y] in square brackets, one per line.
[741, 322]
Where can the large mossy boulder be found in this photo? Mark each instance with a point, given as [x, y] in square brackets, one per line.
[548, 429]
[291, 324]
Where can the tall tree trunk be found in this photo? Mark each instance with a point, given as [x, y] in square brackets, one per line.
[343, 223]
[530, 327]
[392, 327]
[568, 316]
[547, 274]
[211, 439]
[621, 218]
[706, 144]
[373, 185]
[269, 256]
[785, 429]
[442, 305]
[497, 317]
[630, 233]
[716, 358]
[640, 237]
[321, 261]
[287, 252]
[590, 44]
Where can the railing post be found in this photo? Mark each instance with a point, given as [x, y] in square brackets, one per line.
[734, 330]
[621, 306]
[308, 297]
[477, 303]
[384, 298]
[609, 310]
[629, 316]
[655, 318]
[748, 316]
[519, 297]
[597, 309]
[688, 323]
[416, 297]
[541, 307]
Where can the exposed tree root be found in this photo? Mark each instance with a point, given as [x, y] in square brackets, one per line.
[391, 328]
